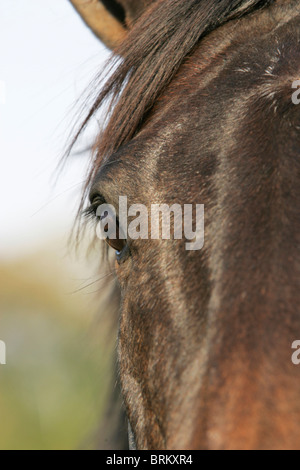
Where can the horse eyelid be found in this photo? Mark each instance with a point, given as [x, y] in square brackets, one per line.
[95, 202]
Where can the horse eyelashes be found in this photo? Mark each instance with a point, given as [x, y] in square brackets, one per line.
[90, 212]
[105, 221]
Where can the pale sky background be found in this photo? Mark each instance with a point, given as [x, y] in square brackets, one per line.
[47, 59]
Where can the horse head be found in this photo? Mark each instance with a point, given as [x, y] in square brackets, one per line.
[203, 115]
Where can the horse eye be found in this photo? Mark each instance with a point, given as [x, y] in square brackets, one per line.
[111, 230]
[117, 245]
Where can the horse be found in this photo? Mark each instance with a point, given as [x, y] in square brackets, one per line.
[202, 111]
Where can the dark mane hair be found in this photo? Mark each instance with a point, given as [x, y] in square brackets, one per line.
[150, 57]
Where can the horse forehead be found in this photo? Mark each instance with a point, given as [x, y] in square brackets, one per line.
[148, 159]
[172, 145]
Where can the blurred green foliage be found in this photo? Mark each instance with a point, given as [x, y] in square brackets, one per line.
[54, 388]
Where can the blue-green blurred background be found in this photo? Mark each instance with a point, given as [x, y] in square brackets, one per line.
[54, 318]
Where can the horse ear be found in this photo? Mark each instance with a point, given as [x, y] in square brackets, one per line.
[110, 20]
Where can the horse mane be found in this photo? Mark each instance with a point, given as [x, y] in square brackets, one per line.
[148, 59]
